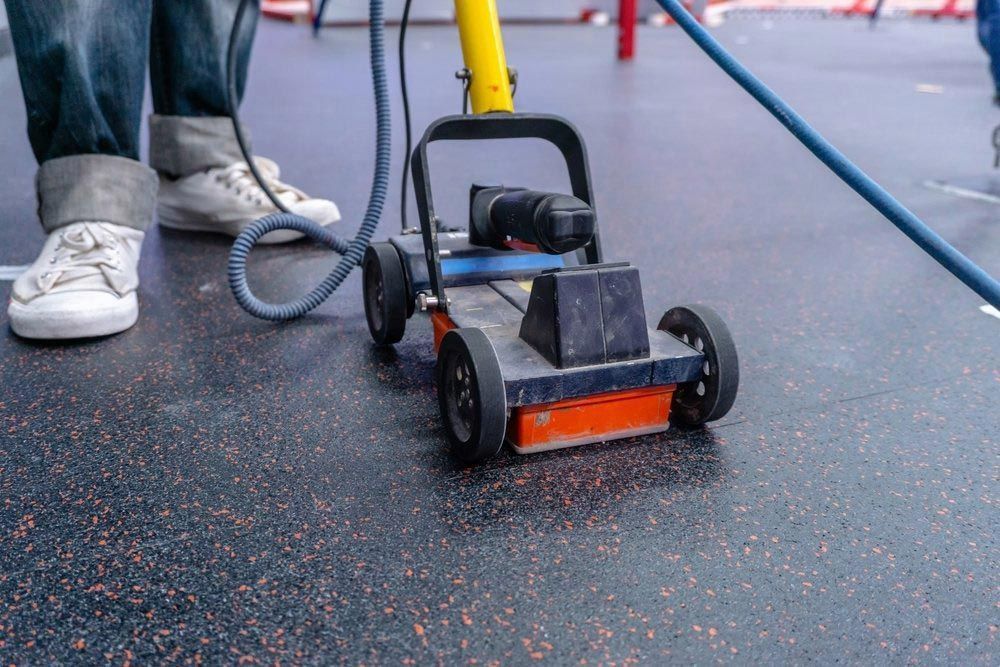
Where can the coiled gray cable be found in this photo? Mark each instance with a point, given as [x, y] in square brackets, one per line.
[353, 250]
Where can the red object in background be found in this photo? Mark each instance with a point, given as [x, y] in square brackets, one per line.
[627, 15]
[287, 10]
[688, 5]
[949, 10]
[859, 8]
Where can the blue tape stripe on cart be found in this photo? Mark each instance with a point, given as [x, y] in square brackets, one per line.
[457, 267]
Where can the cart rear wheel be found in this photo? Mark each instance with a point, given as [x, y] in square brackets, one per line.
[385, 293]
[712, 395]
[471, 395]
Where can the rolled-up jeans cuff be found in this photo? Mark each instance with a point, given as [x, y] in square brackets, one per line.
[183, 145]
[95, 188]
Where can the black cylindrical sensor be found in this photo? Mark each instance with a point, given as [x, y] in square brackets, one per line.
[554, 223]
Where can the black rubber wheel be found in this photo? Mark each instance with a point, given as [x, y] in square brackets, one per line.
[471, 395]
[710, 397]
[385, 293]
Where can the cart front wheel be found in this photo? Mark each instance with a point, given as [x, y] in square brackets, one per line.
[385, 293]
[712, 395]
[471, 395]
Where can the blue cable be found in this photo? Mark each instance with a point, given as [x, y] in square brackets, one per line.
[944, 253]
[318, 19]
[352, 251]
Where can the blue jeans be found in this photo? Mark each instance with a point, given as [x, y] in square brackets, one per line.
[82, 65]
[988, 20]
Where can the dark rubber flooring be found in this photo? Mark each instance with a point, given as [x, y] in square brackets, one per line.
[208, 486]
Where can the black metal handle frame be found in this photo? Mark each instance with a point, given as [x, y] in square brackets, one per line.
[554, 129]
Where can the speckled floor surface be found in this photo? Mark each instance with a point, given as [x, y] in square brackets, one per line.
[207, 486]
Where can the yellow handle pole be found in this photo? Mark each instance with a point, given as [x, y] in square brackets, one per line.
[482, 49]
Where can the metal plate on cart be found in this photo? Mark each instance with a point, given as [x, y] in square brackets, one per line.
[530, 379]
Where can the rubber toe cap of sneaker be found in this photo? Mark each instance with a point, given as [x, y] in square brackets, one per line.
[321, 211]
[70, 315]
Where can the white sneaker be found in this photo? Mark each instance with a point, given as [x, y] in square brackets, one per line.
[82, 285]
[226, 200]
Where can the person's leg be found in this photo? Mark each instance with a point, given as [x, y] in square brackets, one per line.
[82, 70]
[190, 129]
[205, 185]
[82, 73]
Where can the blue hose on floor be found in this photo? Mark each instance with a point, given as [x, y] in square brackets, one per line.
[353, 251]
[961, 266]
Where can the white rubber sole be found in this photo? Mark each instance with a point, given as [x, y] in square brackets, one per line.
[185, 222]
[42, 324]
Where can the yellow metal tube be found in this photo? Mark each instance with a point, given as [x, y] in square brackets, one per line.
[482, 49]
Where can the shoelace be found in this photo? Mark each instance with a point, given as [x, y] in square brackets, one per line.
[83, 250]
[239, 177]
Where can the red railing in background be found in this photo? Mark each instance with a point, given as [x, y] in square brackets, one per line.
[949, 10]
[859, 8]
[628, 17]
[628, 14]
